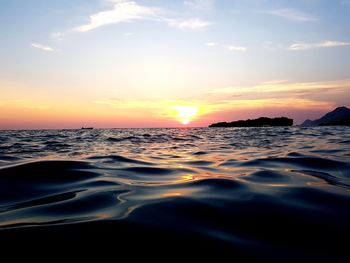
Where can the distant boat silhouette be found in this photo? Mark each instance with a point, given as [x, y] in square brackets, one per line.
[87, 128]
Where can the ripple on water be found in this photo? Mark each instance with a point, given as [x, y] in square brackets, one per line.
[268, 176]
[199, 163]
[117, 158]
[217, 184]
[249, 191]
[308, 162]
[38, 179]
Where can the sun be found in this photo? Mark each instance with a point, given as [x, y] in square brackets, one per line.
[185, 121]
[185, 114]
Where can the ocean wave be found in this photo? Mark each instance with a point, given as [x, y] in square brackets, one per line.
[229, 190]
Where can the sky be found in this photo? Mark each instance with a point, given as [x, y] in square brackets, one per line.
[170, 63]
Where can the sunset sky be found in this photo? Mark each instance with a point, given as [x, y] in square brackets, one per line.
[168, 63]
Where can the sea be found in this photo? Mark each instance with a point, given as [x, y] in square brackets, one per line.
[262, 194]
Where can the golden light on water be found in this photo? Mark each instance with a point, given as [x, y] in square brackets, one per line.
[185, 114]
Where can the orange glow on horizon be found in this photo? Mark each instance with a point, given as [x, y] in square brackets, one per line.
[59, 112]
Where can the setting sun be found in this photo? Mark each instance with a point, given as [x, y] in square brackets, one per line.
[185, 121]
[185, 113]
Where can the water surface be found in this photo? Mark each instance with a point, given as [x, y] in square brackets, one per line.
[255, 192]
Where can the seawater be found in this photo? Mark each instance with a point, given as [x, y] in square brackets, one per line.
[262, 193]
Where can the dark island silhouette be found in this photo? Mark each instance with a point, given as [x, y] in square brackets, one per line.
[260, 122]
[339, 116]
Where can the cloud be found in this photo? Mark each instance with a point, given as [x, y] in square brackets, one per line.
[200, 4]
[211, 44]
[42, 47]
[122, 11]
[282, 90]
[286, 103]
[291, 14]
[277, 96]
[194, 23]
[300, 46]
[279, 93]
[272, 98]
[237, 48]
[324, 44]
[209, 106]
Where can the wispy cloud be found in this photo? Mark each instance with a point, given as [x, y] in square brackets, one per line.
[237, 48]
[194, 23]
[279, 96]
[291, 14]
[325, 44]
[284, 89]
[42, 47]
[122, 11]
[274, 97]
[275, 93]
[200, 4]
[211, 44]
[163, 108]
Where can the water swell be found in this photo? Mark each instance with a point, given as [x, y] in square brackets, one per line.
[222, 188]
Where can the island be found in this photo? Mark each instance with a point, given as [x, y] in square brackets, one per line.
[260, 122]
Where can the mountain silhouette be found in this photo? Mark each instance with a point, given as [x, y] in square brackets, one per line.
[339, 116]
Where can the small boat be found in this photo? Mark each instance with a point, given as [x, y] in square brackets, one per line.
[87, 128]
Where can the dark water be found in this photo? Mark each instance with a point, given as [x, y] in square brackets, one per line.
[257, 193]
